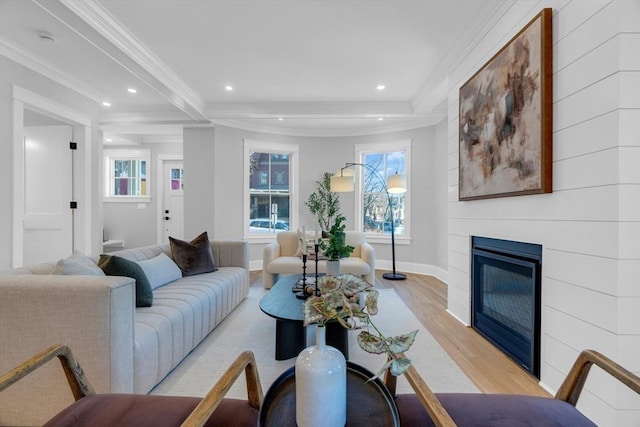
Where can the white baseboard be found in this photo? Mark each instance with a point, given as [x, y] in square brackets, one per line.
[457, 318]
[255, 265]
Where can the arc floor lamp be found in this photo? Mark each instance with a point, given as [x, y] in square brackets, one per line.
[343, 182]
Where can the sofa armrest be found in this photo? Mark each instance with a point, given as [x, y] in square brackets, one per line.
[231, 253]
[92, 314]
[270, 252]
[368, 255]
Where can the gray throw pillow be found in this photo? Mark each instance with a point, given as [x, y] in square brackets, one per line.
[160, 270]
[113, 265]
[193, 257]
[77, 264]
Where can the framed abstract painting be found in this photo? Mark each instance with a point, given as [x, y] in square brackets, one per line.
[505, 119]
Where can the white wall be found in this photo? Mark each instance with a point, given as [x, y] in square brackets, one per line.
[126, 220]
[589, 226]
[13, 73]
[222, 170]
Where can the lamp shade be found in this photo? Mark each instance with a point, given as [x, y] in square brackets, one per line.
[397, 183]
[341, 184]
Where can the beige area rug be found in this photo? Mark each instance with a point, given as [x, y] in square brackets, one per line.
[248, 328]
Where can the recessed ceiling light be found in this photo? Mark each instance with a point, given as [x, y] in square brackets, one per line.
[381, 87]
[228, 88]
[380, 118]
[132, 90]
[280, 118]
[109, 140]
[106, 104]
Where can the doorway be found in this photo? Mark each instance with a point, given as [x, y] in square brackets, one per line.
[171, 185]
[48, 190]
[32, 238]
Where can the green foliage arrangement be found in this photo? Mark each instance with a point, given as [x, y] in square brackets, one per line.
[335, 247]
[324, 203]
[339, 301]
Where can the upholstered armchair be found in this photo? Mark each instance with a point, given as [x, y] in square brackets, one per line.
[283, 257]
[425, 408]
[140, 410]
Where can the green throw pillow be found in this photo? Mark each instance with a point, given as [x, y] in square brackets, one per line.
[193, 257]
[117, 266]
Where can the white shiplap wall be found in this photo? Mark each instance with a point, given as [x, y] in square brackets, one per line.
[589, 226]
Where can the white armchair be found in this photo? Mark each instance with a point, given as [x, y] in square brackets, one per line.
[280, 257]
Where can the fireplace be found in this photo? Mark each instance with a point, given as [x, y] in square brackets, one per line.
[505, 301]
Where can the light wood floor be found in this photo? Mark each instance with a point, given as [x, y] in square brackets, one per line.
[489, 369]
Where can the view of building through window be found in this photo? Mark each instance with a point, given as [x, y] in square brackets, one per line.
[376, 215]
[269, 192]
[129, 177]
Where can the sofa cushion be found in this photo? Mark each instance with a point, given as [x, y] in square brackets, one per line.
[142, 410]
[193, 257]
[160, 270]
[116, 266]
[77, 264]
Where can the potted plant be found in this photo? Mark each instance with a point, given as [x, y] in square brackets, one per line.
[324, 203]
[321, 369]
[341, 299]
[335, 246]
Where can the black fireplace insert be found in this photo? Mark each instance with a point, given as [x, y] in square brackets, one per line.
[505, 299]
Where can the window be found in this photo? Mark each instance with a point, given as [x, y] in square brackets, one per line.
[127, 175]
[271, 180]
[177, 179]
[382, 160]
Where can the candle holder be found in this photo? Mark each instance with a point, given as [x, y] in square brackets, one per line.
[316, 247]
[300, 286]
[304, 269]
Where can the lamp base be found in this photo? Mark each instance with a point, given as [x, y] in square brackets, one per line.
[394, 276]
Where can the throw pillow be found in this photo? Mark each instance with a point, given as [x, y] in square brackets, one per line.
[160, 270]
[193, 257]
[113, 265]
[77, 264]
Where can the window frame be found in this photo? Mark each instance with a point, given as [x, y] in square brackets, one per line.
[110, 157]
[380, 148]
[293, 151]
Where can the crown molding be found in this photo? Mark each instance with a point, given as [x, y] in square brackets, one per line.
[94, 23]
[432, 92]
[91, 12]
[246, 124]
[310, 110]
[33, 62]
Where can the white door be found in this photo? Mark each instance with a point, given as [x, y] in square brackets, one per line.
[172, 211]
[47, 221]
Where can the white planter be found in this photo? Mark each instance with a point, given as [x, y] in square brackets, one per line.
[321, 385]
[333, 268]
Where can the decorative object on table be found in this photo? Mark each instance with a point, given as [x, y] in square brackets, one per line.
[321, 385]
[335, 247]
[340, 300]
[343, 182]
[316, 248]
[505, 119]
[324, 203]
[301, 285]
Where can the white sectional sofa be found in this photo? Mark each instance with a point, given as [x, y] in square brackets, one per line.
[122, 348]
[280, 257]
